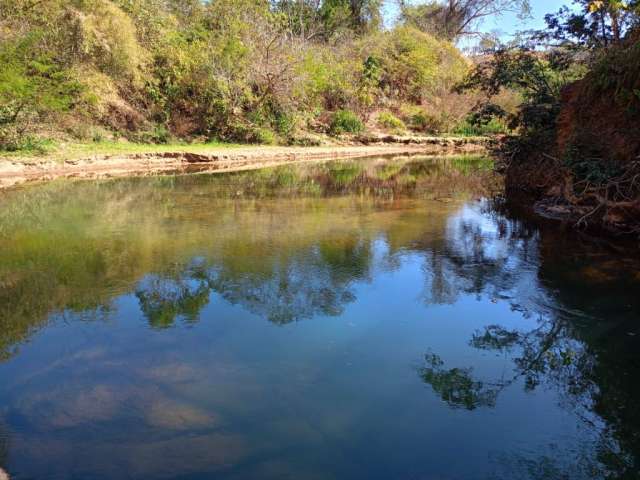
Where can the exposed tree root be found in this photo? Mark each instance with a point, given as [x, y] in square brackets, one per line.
[612, 206]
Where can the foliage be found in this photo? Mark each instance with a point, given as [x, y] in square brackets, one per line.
[327, 19]
[594, 24]
[574, 138]
[417, 119]
[345, 121]
[106, 37]
[32, 86]
[585, 162]
[539, 77]
[240, 70]
[390, 121]
[484, 114]
[416, 65]
[619, 72]
[423, 122]
[485, 119]
[470, 128]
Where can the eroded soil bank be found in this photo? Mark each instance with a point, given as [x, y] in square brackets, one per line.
[15, 172]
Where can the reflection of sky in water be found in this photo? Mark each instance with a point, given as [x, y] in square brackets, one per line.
[305, 360]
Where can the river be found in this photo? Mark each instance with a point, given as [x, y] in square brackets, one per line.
[384, 318]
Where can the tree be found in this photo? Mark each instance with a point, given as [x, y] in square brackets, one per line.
[365, 14]
[31, 87]
[304, 18]
[324, 18]
[452, 19]
[538, 77]
[594, 24]
[415, 64]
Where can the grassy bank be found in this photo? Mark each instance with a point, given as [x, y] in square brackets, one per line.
[76, 150]
[63, 151]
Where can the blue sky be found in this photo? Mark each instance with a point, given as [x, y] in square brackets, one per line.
[509, 23]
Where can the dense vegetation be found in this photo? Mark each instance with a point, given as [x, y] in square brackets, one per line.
[290, 71]
[239, 70]
[576, 145]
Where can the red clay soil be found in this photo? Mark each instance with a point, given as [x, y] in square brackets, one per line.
[597, 119]
[598, 129]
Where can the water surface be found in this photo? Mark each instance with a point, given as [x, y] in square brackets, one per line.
[375, 319]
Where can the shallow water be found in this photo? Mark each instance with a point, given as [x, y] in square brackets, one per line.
[376, 319]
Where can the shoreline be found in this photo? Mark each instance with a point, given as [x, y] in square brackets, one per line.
[217, 159]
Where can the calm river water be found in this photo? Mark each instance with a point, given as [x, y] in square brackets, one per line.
[374, 319]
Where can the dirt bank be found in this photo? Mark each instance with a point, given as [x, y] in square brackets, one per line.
[14, 172]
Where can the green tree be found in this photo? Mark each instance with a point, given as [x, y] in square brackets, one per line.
[538, 77]
[32, 86]
[314, 19]
[592, 23]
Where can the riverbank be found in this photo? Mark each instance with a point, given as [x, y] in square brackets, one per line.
[154, 159]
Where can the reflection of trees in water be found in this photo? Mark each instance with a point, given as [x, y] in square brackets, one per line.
[548, 353]
[591, 360]
[297, 293]
[283, 290]
[456, 386]
[555, 462]
[552, 354]
[73, 247]
[588, 359]
[164, 299]
[478, 256]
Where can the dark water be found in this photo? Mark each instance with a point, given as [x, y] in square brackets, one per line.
[352, 320]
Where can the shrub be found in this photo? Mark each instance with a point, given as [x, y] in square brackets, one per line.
[486, 119]
[285, 123]
[419, 121]
[619, 72]
[159, 134]
[253, 134]
[107, 37]
[304, 140]
[585, 157]
[27, 144]
[31, 88]
[416, 65]
[225, 69]
[329, 81]
[470, 129]
[424, 122]
[265, 136]
[345, 121]
[390, 121]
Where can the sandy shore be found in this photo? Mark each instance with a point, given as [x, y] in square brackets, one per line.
[15, 172]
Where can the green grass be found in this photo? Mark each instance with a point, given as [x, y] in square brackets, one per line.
[494, 127]
[49, 150]
[65, 151]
